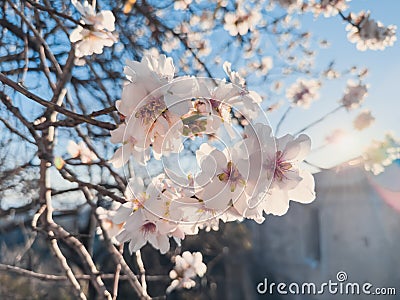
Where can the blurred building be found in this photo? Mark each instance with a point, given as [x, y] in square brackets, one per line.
[352, 226]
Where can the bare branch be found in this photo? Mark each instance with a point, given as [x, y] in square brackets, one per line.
[63, 261]
[60, 109]
[51, 277]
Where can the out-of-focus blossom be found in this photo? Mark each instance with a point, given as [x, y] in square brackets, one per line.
[303, 92]
[324, 44]
[336, 136]
[128, 6]
[241, 21]
[187, 267]
[328, 8]
[197, 41]
[182, 4]
[275, 106]
[381, 154]
[95, 32]
[331, 73]
[290, 5]
[106, 218]
[264, 66]
[368, 33]
[363, 120]
[170, 43]
[205, 21]
[354, 95]
[82, 151]
[277, 86]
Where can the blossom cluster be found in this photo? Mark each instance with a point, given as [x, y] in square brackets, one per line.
[187, 267]
[328, 8]
[82, 151]
[368, 33]
[290, 5]
[241, 172]
[303, 92]
[365, 32]
[96, 31]
[381, 154]
[241, 21]
[363, 120]
[354, 95]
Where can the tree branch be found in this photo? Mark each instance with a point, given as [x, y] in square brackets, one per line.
[84, 119]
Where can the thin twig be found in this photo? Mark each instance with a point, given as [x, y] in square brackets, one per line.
[85, 119]
[117, 276]
[282, 119]
[51, 277]
[63, 261]
[37, 35]
[348, 19]
[61, 233]
[15, 131]
[318, 120]
[70, 176]
[37, 215]
[52, 11]
[142, 270]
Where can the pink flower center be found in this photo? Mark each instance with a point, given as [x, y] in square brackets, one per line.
[215, 103]
[300, 95]
[281, 167]
[149, 112]
[231, 174]
[148, 227]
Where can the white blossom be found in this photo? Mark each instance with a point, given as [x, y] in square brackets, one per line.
[290, 5]
[363, 120]
[368, 33]
[148, 122]
[182, 4]
[140, 229]
[336, 136]
[289, 181]
[95, 32]
[187, 267]
[106, 218]
[303, 92]
[248, 177]
[381, 154]
[262, 67]
[223, 178]
[354, 95]
[82, 151]
[241, 21]
[328, 8]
